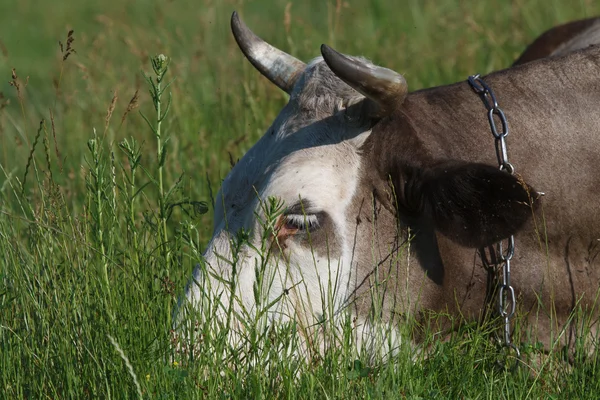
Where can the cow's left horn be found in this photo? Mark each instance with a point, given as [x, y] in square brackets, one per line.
[386, 88]
[276, 65]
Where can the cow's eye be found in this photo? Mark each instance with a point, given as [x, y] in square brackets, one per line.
[302, 222]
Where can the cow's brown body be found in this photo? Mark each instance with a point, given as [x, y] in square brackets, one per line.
[554, 144]
[563, 39]
[390, 197]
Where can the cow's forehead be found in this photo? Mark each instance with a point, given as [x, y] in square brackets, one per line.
[307, 150]
[323, 175]
[319, 92]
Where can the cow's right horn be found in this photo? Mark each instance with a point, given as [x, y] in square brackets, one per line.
[386, 88]
[276, 65]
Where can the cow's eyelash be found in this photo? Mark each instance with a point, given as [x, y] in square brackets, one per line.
[302, 221]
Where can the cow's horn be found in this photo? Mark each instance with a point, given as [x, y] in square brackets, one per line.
[386, 88]
[276, 65]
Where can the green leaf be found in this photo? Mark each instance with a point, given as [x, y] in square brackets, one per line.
[163, 155]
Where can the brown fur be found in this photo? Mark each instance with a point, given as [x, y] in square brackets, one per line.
[554, 143]
[561, 40]
[428, 195]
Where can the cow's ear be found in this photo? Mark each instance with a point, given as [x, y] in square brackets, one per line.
[476, 205]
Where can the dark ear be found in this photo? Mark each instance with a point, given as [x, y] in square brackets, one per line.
[476, 205]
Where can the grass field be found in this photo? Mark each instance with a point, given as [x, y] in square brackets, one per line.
[102, 220]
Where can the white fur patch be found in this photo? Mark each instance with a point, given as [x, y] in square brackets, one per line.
[310, 155]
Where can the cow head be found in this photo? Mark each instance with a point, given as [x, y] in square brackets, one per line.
[319, 202]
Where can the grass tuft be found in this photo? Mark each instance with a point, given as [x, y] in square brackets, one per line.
[100, 233]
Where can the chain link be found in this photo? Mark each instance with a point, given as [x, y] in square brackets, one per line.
[506, 293]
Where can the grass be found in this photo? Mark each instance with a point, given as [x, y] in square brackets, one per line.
[103, 216]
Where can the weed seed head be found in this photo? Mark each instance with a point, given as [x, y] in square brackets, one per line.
[68, 50]
[160, 64]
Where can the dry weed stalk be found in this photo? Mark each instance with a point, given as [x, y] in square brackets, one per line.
[66, 52]
[55, 142]
[3, 101]
[19, 87]
[30, 159]
[110, 110]
[133, 104]
[287, 18]
[15, 82]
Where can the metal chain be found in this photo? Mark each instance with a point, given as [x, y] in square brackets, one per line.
[506, 293]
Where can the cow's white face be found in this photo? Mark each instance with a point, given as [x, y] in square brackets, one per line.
[308, 161]
[288, 241]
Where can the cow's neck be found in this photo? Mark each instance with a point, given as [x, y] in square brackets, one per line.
[450, 122]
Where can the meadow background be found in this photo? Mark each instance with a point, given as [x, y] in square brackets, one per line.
[93, 254]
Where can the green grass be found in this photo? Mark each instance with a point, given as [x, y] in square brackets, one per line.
[88, 282]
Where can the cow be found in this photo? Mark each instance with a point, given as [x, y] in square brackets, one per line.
[367, 201]
[562, 39]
